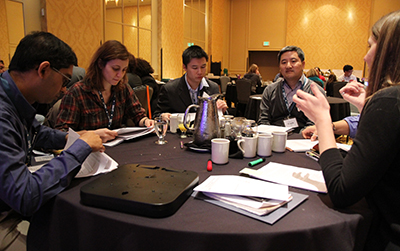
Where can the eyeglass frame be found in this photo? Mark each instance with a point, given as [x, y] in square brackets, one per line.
[62, 74]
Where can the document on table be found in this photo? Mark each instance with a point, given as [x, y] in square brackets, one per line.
[300, 145]
[95, 163]
[290, 175]
[243, 186]
[128, 133]
[303, 145]
[272, 128]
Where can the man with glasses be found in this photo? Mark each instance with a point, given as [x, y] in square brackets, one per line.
[40, 68]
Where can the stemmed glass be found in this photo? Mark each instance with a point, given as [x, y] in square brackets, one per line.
[160, 126]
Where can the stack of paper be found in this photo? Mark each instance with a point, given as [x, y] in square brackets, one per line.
[255, 196]
[271, 128]
[303, 145]
[128, 133]
[290, 175]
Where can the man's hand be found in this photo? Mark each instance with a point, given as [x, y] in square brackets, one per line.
[221, 104]
[106, 134]
[310, 132]
[93, 140]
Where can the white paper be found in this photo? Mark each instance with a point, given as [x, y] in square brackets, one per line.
[95, 163]
[300, 145]
[128, 133]
[290, 175]
[303, 145]
[272, 128]
[243, 186]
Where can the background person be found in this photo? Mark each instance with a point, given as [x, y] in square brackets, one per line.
[254, 75]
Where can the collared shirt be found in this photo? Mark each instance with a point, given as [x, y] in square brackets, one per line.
[343, 78]
[21, 190]
[195, 93]
[291, 92]
[82, 109]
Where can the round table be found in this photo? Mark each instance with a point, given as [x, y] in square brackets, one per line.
[64, 223]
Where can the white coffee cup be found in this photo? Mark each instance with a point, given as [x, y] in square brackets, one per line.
[279, 141]
[248, 146]
[173, 123]
[219, 151]
[264, 145]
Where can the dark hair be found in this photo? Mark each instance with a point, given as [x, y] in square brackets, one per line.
[191, 52]
[347, 67]
[1, 61]
[110, 50]
[38, 47]
[292, 48]
[132, 63]
[385, 69]
[143, 68]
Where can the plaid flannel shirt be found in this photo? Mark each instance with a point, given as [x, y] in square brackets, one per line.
[82, 109]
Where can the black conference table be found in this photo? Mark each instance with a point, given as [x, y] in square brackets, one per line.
[64, 223]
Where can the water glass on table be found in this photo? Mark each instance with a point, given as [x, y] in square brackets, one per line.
[160, 126]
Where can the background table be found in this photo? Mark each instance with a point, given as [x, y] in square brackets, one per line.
[340, 108]
[66, 224]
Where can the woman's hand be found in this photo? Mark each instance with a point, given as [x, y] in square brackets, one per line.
[149, 123]
[354, 92]
[106, 134]
[314, 107]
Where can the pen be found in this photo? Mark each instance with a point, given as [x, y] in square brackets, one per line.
[209, 165]
[313, 155]
[181, 145]
[257, 161]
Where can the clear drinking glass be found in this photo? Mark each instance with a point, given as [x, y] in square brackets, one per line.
[250, 128]
[160, 126]
[237, 126]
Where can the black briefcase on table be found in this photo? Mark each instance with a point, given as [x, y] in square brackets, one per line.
[140, 189]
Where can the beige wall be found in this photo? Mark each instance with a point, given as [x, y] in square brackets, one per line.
[172, 37]
[4, 48]
[78, 23]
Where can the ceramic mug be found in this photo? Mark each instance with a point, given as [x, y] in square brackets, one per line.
[264, 145]
[219, 151]
[248, 146]
[279, 141]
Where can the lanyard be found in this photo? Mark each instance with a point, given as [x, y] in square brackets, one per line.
[110, 117]
[286, 100]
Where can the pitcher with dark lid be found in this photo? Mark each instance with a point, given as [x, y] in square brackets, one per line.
[206, 123]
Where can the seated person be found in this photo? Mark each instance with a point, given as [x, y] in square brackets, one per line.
[313, 75]
[144, 70]
[176, 95]
[2, 66]
[102, 99]
[277, 106]
[38, 72]
[254, 75]
[347, 74]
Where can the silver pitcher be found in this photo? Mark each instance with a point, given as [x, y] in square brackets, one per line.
[206, 123]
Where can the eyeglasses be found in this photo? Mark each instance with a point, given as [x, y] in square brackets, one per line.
[67, 79]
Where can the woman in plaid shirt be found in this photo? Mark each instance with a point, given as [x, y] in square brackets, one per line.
[103, 99]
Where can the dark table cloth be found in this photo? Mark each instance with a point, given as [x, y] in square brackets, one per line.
[64, 223]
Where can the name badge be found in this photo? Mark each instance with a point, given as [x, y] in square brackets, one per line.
[291, 122]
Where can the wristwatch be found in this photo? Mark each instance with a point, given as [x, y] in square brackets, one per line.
[333, 127]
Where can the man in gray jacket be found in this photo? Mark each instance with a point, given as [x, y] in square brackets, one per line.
[277, 106]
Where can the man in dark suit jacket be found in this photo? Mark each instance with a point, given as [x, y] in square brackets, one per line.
[178, 94]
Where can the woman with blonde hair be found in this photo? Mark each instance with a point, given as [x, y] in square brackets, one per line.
[371, 168]
[254, 75]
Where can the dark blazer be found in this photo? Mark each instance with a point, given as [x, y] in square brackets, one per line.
[174, 96]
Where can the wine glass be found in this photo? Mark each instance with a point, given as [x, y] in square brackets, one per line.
[160, 126]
